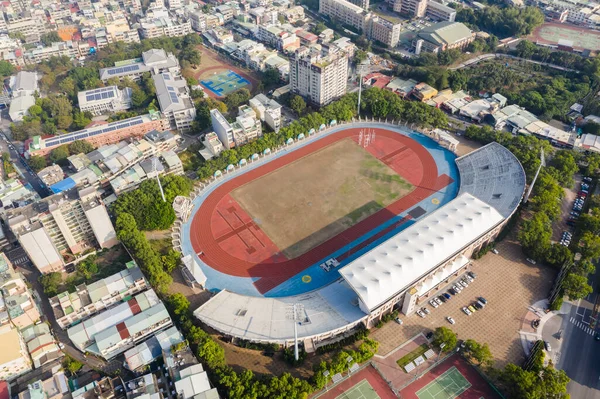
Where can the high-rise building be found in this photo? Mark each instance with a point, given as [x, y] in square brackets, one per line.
[318, 77]
[61, 226]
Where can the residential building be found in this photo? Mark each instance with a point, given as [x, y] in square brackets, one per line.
[55, 387]
[153, 61]
[212, 146]
[105, 99]
[222, 128]
[18, 305]
[246, 127]
[87, 300]
[269, 111]
[277, 37]
[119, 328]
[105, 388]
[320, 78]
[166, 164]
[153, 28]
[163, 141]
[64, 224]
[364, 4]
[23, 88]
[345, 12]
[193, 382]
[411, 8]
[41, 345]
[19, 107]
[443, 36]
[424, 92]
[14, 194]
[175, 101]
[51, 174]
[440, 12]
[29, 27]
[384, 31]
[102, 134]
[151, 349]
[14, 359]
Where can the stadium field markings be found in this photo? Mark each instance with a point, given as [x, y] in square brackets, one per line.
[449, 385]
[362, 390]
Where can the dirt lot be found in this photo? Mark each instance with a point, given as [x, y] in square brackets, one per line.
[508, 282]
[317, 197]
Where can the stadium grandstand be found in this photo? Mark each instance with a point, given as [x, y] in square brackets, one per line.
[399, 273]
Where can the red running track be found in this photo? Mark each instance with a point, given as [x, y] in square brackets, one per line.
[271, 273]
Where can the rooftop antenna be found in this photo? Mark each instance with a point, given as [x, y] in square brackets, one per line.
[155, 165]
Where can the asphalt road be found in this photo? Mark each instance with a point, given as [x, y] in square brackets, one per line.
[580, 352]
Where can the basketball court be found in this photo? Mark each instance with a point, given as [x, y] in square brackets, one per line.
[223, 83]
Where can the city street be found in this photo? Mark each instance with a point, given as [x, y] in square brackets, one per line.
[579, 353]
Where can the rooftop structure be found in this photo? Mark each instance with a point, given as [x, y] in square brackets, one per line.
[51, 174]
[104, 99]
[154, 61]
[194, 382]
[443, 36]
[14, 359]
[55, 387]
[269, 111]
[151, 349]
[102, 134]
[87, 300]
[174, 100]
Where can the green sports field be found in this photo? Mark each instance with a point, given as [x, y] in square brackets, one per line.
[447, 386]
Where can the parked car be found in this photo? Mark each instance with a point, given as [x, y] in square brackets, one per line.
[446, 295]
[472, 274]
[397, 320]
[425, 310]
[494, 250]
[531, 261]
[547, 345]
[478, 305]
[442, 298]
[421, 313]
[471, 308]
[437, 300]
[469, 278]
[450, 320]
[483, 300]
[429, 335]
[467, 311]
[433, 303]
[453, 291]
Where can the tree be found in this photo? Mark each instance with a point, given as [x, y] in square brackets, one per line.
[51, 37]
[50, 283]
[590, 246]
[271, 77]
[87, 267]
[479, 352]
[319, 28]
[576, 286]
[178, 304]
[60, 154]
[566, 165]
[138, 98]
[171, 260]
[535, 235]
[360, 56]
[79, 147]
[37, 163]
[444, 335]
[80, 120]
[6, 68]
[71, 365]
[523, 384]
[298, 105]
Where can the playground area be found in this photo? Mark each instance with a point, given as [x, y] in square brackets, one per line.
[453, 378]
[550, 34]
[219, 77]
[312, 199]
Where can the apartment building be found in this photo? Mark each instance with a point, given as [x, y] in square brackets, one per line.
[51, 174]
[54, 387]
[106, 99]
[385, 31]
[151, 349]
[153, 61]
[60, 226]
[440, 12]
[154, 28]
[276, 37]
[30, 28]
[246, 127]
[87, 300]
[269, 111]
[17, 299]
[102, 134]
[163, 141]
[345, 12]
[213, 146]
[320, 78]
[14, 359]
[175, 100]
[41, 344]
[120, 328]
[167, 163]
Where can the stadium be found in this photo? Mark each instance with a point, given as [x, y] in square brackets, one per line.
[343, 225]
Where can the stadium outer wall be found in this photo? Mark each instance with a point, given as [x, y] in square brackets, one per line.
[314, 339]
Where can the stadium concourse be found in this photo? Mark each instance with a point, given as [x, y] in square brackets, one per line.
[427, 242]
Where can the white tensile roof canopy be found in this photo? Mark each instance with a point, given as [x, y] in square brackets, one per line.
[393, 266]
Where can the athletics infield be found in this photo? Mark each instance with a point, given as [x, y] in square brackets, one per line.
[286, 226]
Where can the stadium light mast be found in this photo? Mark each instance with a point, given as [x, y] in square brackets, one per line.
[155, 165]
[360, 75]
[542, 163]
[294, 313]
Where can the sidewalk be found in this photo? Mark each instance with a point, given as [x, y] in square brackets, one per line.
[530, 335]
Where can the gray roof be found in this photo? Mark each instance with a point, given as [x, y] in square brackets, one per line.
[172, 92]
[445, 33]
[155, 136]
[494, 175]
[25, 81]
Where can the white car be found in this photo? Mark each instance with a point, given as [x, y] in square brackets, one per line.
[450, 320]
[421, 313]
[467, 311]
[547, 345]
[531, 261]
[425, 310]
[433, 303]
[457, 288]
[438, 301]
[494, 250]
[398, 320]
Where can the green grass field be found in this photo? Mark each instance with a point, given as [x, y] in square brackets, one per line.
[409, 357]
[449, 385]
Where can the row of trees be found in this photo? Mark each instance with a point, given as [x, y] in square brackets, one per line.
[535, 233]
[375, 102]
[502, 22]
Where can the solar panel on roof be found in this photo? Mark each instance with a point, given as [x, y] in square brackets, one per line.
[89, 98]
[174, 98]
[104, 96]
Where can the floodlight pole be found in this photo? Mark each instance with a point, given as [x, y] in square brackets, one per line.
[295, 335]
[542, 163]
[162, 193]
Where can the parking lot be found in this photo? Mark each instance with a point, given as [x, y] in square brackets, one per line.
[509, 284]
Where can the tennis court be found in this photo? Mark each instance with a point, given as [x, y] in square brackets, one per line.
[223, 83]
[362, 390]
[447, 386]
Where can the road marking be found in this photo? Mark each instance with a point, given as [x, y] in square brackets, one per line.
[579, 324]
[572, 320]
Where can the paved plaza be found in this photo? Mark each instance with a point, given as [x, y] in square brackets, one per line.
[510, 285]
